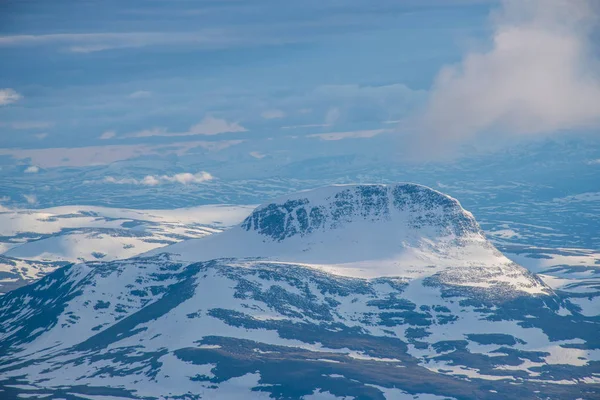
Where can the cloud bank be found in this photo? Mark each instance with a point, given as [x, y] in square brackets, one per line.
[184, 178]
[541, 75]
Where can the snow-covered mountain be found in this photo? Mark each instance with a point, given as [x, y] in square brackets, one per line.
[366, 291]
[35, 242]
[367, 231]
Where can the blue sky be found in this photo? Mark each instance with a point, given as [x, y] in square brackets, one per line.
[93, 82]
[86, 68]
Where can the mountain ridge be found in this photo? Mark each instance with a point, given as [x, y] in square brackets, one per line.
[335, 206]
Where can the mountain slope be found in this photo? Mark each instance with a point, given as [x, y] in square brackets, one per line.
[293, 315]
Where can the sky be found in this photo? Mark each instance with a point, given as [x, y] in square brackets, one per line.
[88, 83]
[97, 73]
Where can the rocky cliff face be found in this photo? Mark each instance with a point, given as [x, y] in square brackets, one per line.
[413, 207]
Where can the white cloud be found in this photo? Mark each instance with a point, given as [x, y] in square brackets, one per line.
[208, 126]
[257, 154]
[32, 169]
[347, 135]
[150, 181]
[9, 96]
[92, 48]
[41, 136]
[31, 198]
[122, 181]
[540, 76]
[140, 94]
[184, 178]
[187, 178]
[108, 135]
[272, 114]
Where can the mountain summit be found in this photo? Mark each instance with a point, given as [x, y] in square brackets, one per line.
[368, 231]
[404, 206]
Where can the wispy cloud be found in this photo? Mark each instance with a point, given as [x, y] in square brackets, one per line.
[214, 126]
[30, 198]
[41, 136]
[94, 42]
[184, 178]
[32, 169]
[92, 48]
[257, 154]
[107, 135]
[347, 135]
[332, 115]
[208, 126]
[350, 104]
[272, 114]
[140, 94]
[31, 125]
[268, 26]
[27, 125]
[102, 155]
[305, 126]
[541, 75]
[9, 96]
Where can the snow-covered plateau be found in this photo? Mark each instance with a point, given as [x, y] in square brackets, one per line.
[35, 242]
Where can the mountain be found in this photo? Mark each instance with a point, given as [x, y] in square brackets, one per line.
[368, 231]
[368, 291]
[35, 242]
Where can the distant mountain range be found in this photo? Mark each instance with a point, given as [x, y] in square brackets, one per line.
[35, 242]
[359, 291]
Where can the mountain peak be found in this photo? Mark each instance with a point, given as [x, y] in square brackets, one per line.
[412, 206]
[404, 230]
